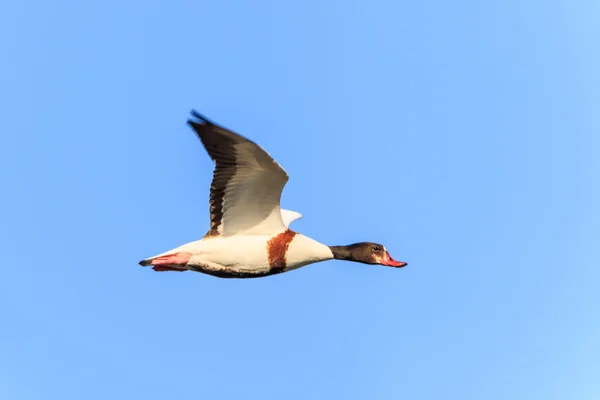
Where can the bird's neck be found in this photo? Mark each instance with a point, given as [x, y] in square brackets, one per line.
[341, 252]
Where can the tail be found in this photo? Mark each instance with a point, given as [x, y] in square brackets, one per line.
[172, 262]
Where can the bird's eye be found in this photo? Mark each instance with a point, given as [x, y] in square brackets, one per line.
[376, 248]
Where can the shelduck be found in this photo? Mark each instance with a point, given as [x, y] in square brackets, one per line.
[249, 235]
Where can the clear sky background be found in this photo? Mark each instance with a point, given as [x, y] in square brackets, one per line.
[462, 135]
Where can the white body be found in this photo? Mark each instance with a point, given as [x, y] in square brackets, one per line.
[250, 253]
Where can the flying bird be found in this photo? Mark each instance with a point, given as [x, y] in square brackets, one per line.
[249, 235]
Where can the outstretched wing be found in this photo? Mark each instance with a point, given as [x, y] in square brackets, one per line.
[247, 183]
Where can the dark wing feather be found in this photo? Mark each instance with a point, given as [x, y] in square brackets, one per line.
[247, 183]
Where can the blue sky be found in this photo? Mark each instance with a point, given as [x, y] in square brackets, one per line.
[461, 135]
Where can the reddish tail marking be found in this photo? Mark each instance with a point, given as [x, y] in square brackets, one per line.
[172, 262]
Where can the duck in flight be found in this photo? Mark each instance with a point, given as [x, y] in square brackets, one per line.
[249, 235]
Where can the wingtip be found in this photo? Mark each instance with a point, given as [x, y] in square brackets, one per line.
[199, 116]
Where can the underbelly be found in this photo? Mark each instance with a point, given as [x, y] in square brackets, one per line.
[234, 273]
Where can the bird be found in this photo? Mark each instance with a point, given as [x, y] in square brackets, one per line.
[249, 234]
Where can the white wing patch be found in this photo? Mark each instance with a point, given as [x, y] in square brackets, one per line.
[289, 217]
